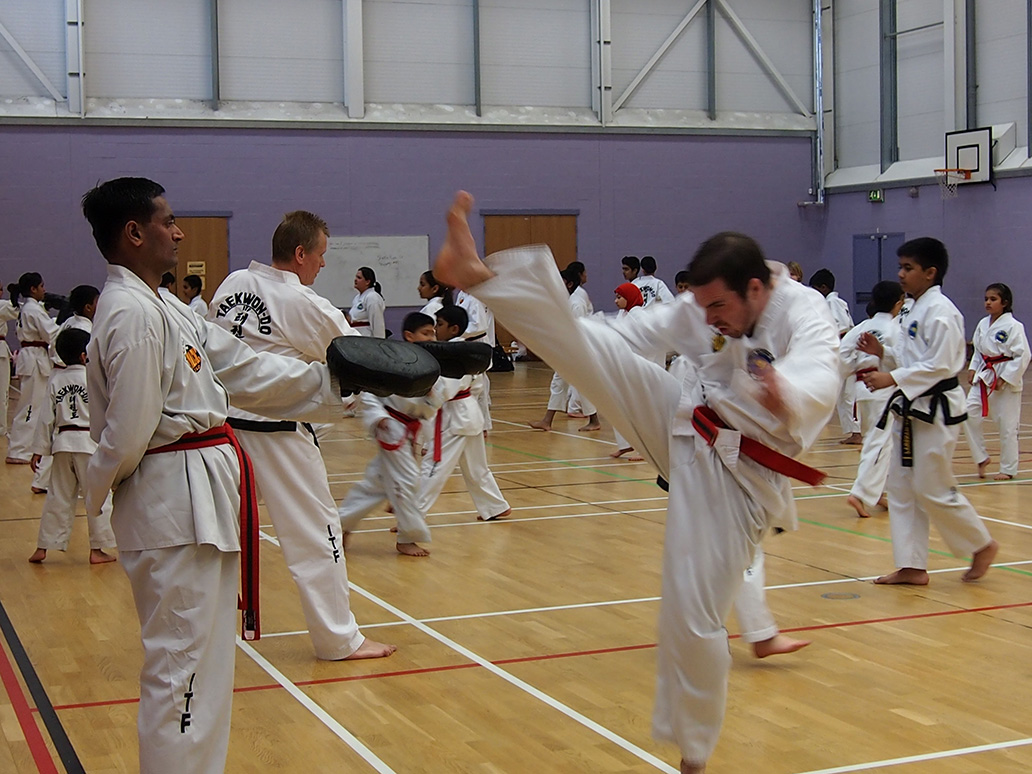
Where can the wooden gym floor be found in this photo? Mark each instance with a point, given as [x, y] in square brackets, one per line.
[527, 646]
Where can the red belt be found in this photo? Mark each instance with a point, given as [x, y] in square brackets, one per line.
[411, 430]
[863, 372]
[437, 425]
[43, 344]
[359, 325]
[248, 600]
[987, 389]
[708, 425]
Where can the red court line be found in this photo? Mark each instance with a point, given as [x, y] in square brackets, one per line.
[572, 654]
[33, 737]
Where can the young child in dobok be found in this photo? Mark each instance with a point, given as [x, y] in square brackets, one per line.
[995, 374]
[393, 474]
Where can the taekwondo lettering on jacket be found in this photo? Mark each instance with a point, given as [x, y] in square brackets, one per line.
[245, 303]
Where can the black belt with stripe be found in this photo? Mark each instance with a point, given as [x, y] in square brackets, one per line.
[270, 426]
[901, 405]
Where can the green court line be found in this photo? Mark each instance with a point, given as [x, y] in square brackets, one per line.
[557, 462]
[803, 497]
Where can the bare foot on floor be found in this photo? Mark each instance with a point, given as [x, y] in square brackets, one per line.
[540, 425]
[97, 556]
[1002, 477]
[883, 503]
[906, 576]
[635, 457]
[38, 490]
[589, 428]
[499, 517]
[858, 505]
[412, 549]
[777, 645]
[620, 452]
[982, 467]
[394, 529]
[371, 649]
[981, 561]
[39, 555]
[691, 768]
[855, 439]
[576, 415]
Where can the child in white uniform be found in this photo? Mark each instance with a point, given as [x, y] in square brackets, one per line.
[434, 293]
[8, 312]
[35, 332]
[996, 375]
[875, 455]
[395, 423]
[653, 290]
[64, 434]
[458, 437]
[366, 315]
[927, 407]
[823, 281]
[192, 287]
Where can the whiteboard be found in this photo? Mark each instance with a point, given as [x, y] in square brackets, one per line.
[397, 260]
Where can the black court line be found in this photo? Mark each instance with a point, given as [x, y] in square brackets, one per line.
[62, 744]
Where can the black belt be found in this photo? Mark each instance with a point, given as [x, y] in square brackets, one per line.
[901, 405]
[270, 426]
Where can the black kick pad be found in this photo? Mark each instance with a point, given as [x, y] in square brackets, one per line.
[460, 358]
[382, 366]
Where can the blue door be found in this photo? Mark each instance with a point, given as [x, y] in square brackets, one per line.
[874, 260]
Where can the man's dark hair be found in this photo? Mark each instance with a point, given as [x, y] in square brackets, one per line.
[81, 296]
[454, 315]
[729, 256]
[168, 280]
[928, 253]
[822, 278]
[70, 344]
[194, 281]
[648, 264]
[631, 262]
[885, 295]
[571, 277]
[576, 266]
[111, 205]
[416, 320]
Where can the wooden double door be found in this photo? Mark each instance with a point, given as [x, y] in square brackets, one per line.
[204, 251]
[504, 230]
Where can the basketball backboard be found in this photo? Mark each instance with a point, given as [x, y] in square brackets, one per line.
[971, 149]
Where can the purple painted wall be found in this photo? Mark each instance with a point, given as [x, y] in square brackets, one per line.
[636, 194]
[988, 233]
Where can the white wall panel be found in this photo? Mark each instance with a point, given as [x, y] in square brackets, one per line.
[857, 110]
[147, 48]
[271, 50]
[535, 52]
[1000, 43]
[418, 51]
[39, 28]
[920, 80]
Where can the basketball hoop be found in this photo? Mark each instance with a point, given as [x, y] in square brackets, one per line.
[948, 180]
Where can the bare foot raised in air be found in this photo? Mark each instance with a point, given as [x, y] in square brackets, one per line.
[38, 556]
[97, 556]
[412, 549]
[777, 645]
[981, 561]
[371, 649]
[499, 517]
[858, 505]
[982, 467]
[905, 576]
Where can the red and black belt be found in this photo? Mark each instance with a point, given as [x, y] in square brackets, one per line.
[248, 600]
[708, 425]
[988, 389]
[411, 430]
[437, 425]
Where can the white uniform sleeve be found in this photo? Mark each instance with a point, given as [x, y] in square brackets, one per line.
[374, 308]
[8, 311]
[919, 377]
[663, 293]
[1013, 371]
[43, 440]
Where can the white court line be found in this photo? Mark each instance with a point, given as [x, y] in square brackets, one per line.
[355, 744]
[634, 601]
[555, 704]
[308, 703]
[924, 757]
[582, 436]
